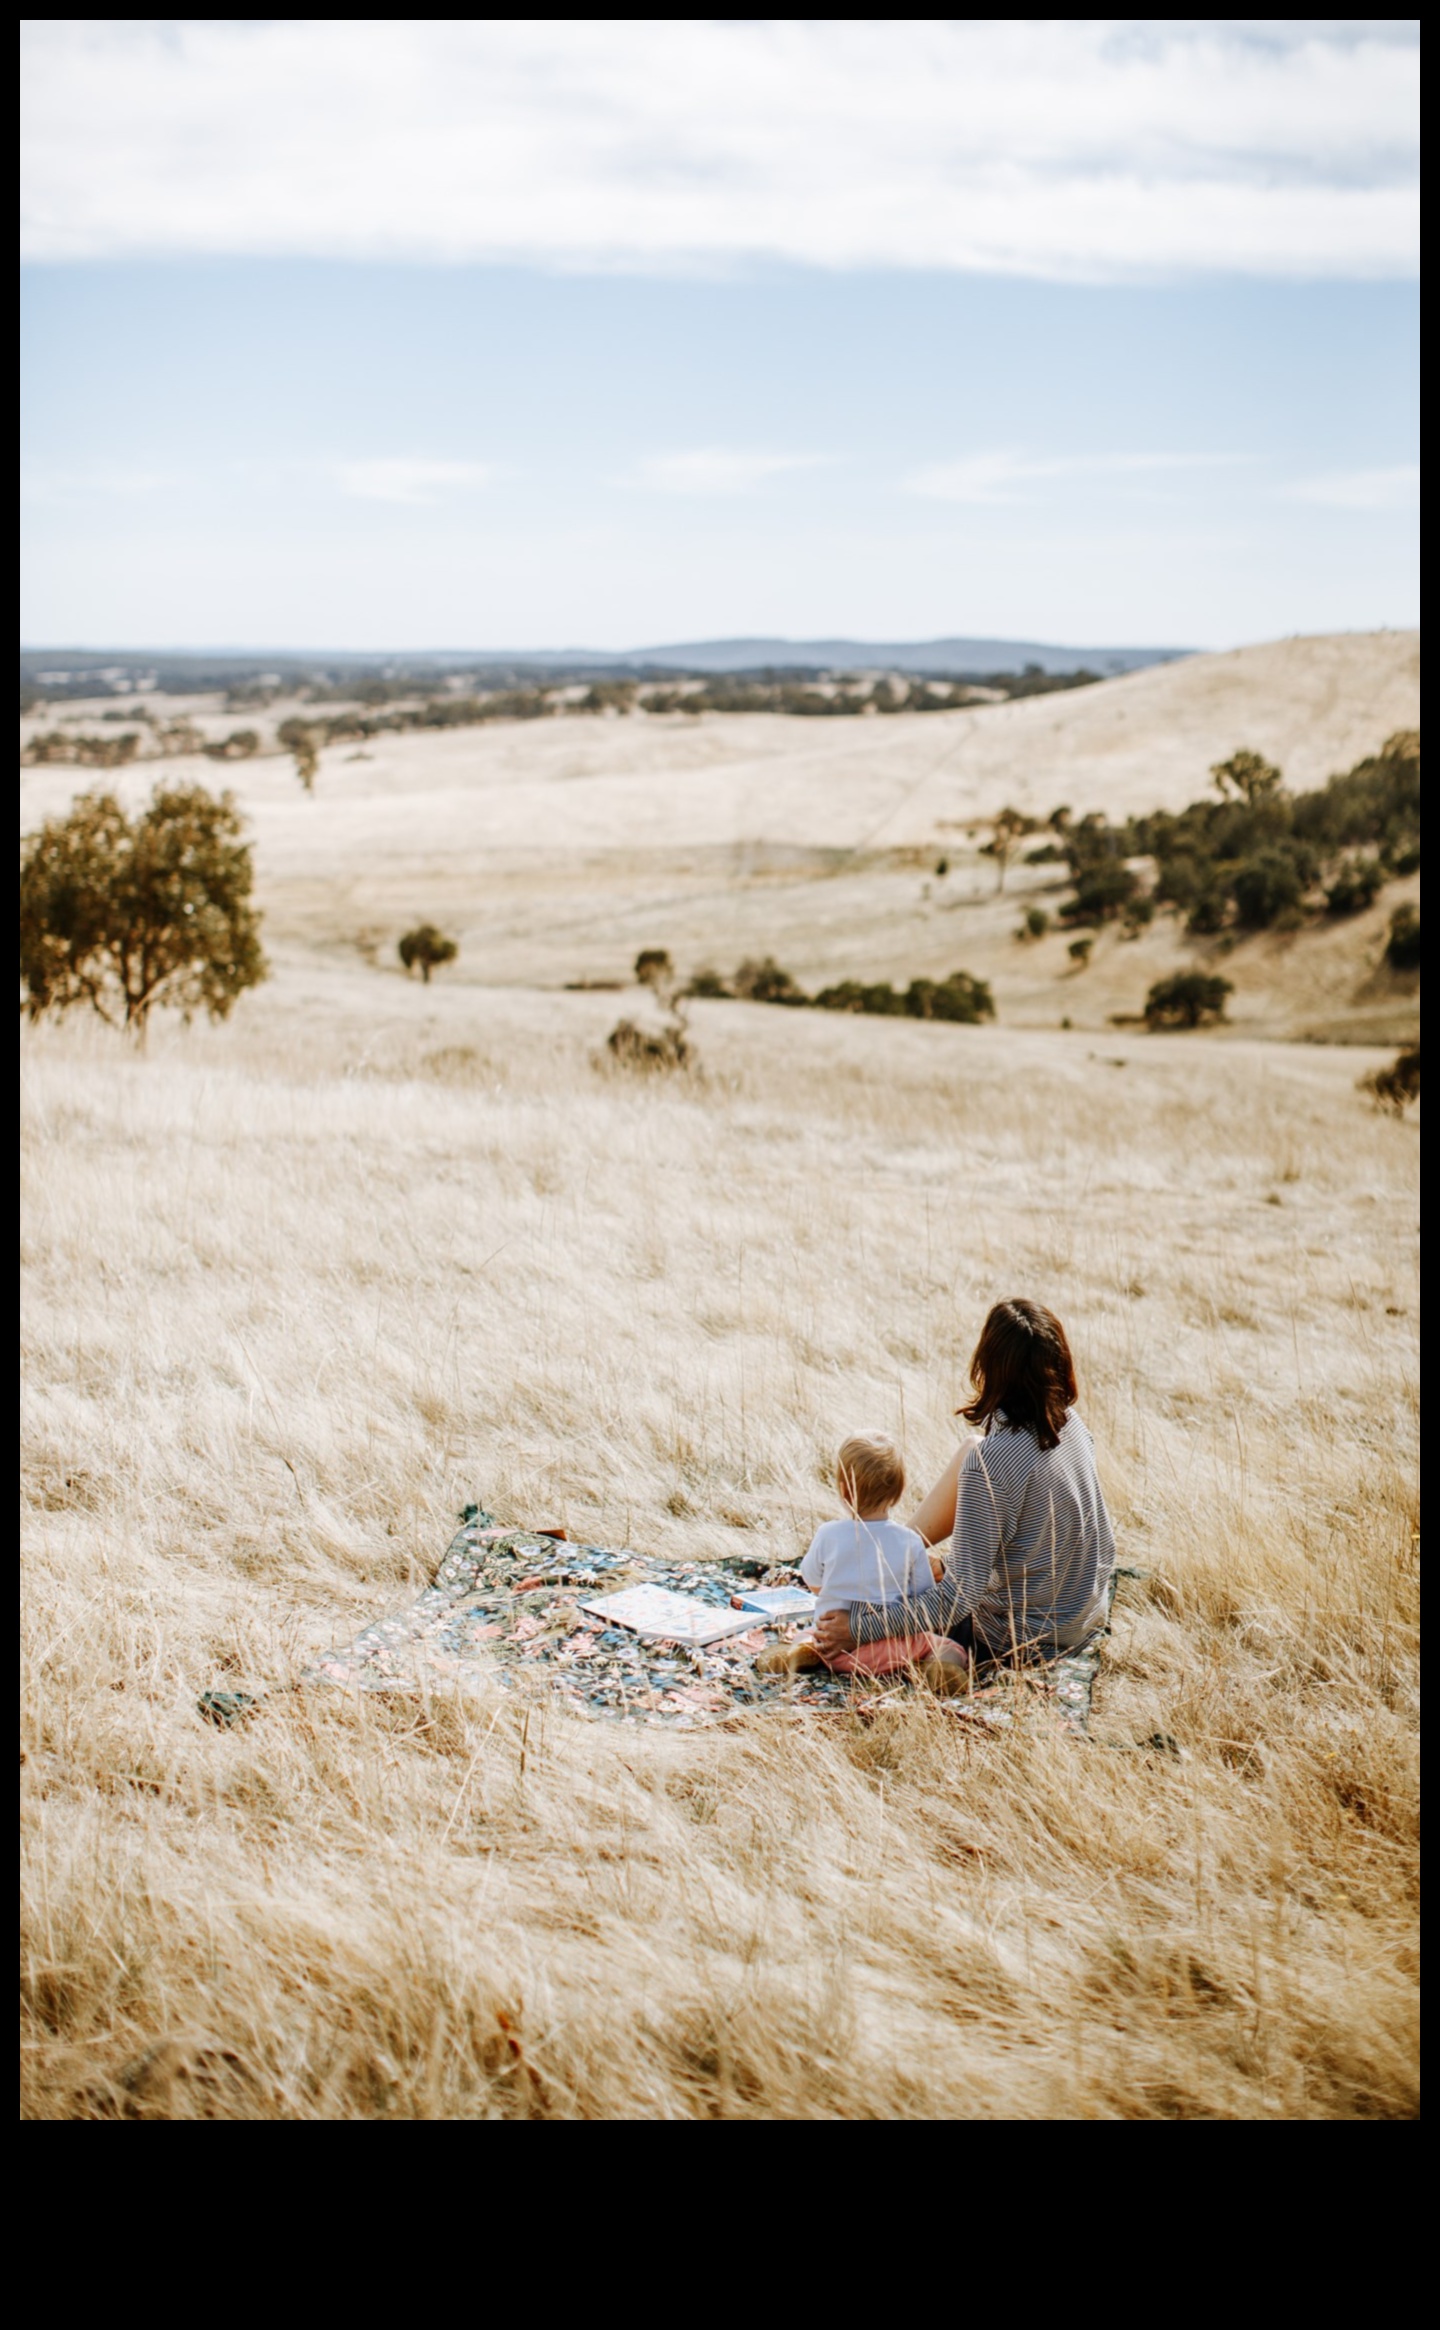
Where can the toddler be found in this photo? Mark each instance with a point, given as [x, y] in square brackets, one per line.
[867, 1557]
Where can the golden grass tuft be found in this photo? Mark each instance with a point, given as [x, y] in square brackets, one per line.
[293, 1292]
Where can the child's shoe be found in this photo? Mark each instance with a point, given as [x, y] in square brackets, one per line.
[788, 1658]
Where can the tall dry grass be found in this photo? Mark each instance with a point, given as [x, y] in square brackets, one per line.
[294, 1290]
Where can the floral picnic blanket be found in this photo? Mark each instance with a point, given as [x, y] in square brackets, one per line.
[508, 1604]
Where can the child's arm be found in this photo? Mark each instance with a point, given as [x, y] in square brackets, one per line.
[812, 1568]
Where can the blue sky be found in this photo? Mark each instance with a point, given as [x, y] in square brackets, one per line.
[500, 347]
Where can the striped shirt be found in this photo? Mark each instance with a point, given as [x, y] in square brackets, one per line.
[1032, 1552]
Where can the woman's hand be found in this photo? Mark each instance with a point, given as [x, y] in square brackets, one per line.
[833, 1635]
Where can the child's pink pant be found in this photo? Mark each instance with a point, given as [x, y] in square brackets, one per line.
[883, 1658]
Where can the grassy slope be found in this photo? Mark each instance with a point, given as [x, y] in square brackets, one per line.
[297, 1287]
[556, 849]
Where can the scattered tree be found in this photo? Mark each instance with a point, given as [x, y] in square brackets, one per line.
[1007, 827]
[1079, 951]
[663, 1048]
[1248, 776]
[124, 915]
[425, 948]
[708, 982]
[1189, 999]
[301, 740]
[1034, 923]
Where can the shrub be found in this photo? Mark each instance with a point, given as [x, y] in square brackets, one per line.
[959, 998]
[124, 916]
[653, 967]
[878, 998]
[1034, 923]
[708, 983]
[1375, 804]
[765, 982]
[240, 744]
[1265, 885]
[632, 1047]
[180, 737]
[1079, 951]
[942, 868]
[1208, 910]
[1139, 913]
[1402, 948]
[610, 696]
[424, 948]
[87, 752]
[1395, 1087]
[1187, 1000]
[1180, 879]
[1102, 891]
[1356, 886]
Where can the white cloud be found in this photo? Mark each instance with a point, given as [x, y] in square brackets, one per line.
[716, 470]
[414, 482]
[1002, 477]
[1080, 150]
[1397, 488]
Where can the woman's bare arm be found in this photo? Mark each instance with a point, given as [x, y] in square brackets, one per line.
[935, 1518]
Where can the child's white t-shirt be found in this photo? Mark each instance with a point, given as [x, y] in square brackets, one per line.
[864, 1561]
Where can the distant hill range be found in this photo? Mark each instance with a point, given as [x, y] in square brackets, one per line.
[944, 658]
[73, 671]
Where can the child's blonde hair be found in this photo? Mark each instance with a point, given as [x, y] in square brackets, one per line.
[869, 1471]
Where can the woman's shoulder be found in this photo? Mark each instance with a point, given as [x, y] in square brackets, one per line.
[1009, 1451]
[1006, 1452]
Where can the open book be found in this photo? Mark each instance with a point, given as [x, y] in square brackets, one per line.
[780, 1604]
[660, 1615]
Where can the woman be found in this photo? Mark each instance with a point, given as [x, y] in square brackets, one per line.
[1031, 1549]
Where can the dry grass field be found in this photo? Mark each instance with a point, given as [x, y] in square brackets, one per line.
[297, 1287]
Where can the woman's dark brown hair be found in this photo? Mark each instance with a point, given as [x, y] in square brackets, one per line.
[1022, 1364]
